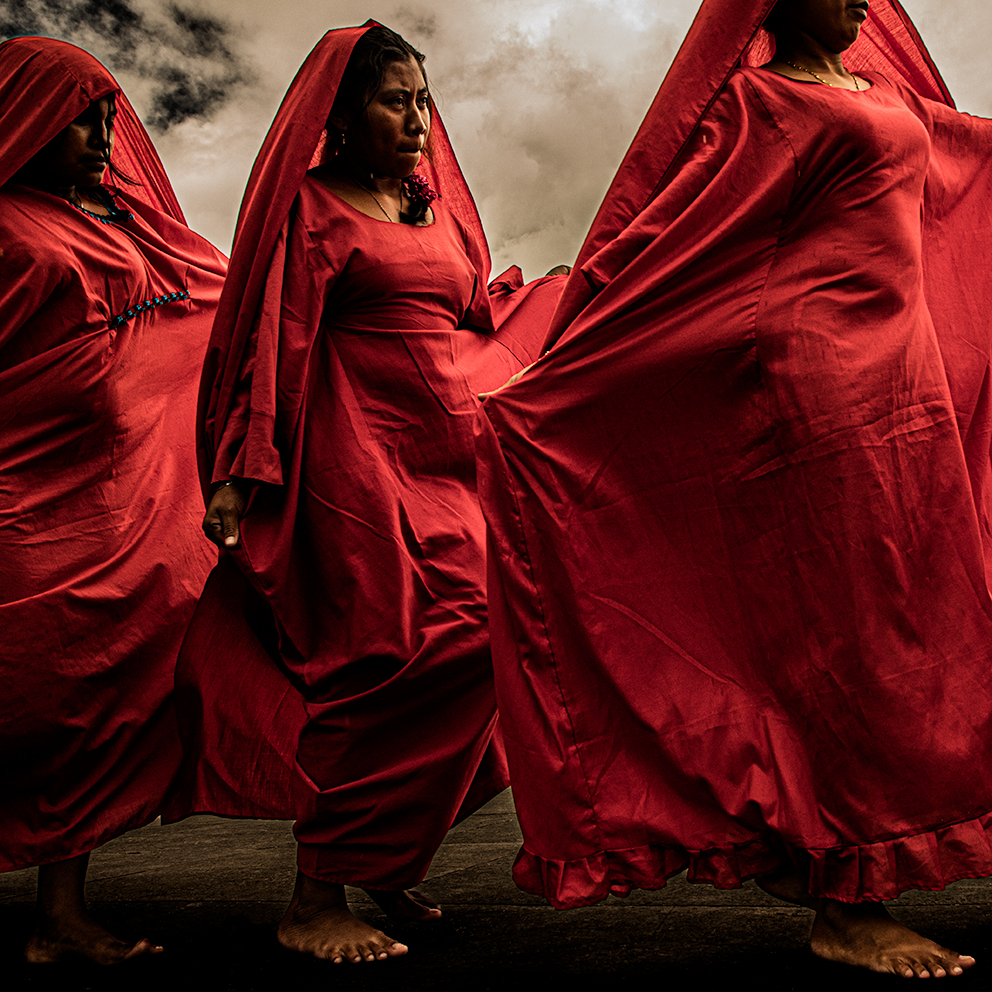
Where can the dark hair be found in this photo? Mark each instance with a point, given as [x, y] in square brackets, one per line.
[374, 52]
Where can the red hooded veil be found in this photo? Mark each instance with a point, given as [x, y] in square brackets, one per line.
[739, 513]
[103, 325]
[362, 564]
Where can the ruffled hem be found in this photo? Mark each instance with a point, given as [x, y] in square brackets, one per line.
[875, 872]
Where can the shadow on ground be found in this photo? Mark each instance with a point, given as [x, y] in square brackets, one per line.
[212, 892]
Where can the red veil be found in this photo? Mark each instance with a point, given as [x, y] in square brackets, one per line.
[67, 80]
[724, 35]
[699, 661]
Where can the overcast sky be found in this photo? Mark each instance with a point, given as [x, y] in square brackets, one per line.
[541, 97]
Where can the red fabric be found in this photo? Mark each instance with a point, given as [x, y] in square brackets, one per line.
[737, 575]
[342, 375]
[101, 560]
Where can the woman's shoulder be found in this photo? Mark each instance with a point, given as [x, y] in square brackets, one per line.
[32, 224]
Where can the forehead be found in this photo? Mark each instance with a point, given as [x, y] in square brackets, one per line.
[406, 75]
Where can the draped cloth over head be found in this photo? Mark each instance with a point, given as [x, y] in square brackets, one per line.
[64, 80]
[293, 145]
[342, 377]
[103, 323]
[739, 514]
[724, 35]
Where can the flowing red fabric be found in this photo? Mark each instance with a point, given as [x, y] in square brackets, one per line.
[739, 514]
[102, 326]
[342, 376]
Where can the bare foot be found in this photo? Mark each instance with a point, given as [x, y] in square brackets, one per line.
[409, 906]
[318, 922]
[65, 929]
[81, 938]
[863, 934]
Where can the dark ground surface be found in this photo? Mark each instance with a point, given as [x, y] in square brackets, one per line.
[212, 892]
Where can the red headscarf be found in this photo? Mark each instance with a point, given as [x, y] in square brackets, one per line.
[724, 35]
[294, 144]
[44, 86]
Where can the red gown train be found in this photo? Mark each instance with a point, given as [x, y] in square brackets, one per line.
[739, 512]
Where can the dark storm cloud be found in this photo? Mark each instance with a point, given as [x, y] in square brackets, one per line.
[185, 58]
[417, 23]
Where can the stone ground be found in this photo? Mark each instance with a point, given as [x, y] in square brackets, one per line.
[212, 891]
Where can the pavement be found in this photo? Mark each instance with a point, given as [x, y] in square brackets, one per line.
[212, 891]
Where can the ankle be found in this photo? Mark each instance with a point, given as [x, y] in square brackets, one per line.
[311, 894]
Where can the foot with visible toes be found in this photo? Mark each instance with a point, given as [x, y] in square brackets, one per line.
[865, 935]
[318, 922]
[405, 906]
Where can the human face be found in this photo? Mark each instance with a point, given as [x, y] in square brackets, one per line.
[389, 137]
[80, 153]
[833, 24]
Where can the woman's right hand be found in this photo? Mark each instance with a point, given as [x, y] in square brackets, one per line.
[224, 513]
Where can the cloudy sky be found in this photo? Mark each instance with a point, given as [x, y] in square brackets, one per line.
[541, 97]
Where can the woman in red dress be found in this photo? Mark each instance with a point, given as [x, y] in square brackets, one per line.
[339, 405]
[106, 300]
[740, 513]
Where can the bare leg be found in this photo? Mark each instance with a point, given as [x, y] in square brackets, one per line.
[788, 885]
[65, 928]
[318, 922]
[864, 934]
[405, 906]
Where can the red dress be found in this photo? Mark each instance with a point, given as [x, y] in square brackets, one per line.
[103, 323]
[359, 644]
[738, 588]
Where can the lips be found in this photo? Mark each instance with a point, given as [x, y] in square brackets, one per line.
[860, 9]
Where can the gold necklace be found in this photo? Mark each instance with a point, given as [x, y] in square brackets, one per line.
[378, 204]
[820, 79]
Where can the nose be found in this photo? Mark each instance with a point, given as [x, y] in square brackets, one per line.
[100, 134]
[420, 120]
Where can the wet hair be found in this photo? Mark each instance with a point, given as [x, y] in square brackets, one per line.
[374, 52]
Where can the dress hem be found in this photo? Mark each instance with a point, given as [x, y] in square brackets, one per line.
[873, 872]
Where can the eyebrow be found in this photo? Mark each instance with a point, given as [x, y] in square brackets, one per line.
[395, 90]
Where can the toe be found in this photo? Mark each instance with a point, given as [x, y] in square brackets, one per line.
[143, 946]
[903, 969]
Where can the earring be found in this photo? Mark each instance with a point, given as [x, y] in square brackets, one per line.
[342, 138]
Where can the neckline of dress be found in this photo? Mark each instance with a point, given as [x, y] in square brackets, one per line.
[826, 86]
[117, 213]
[362, 213]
